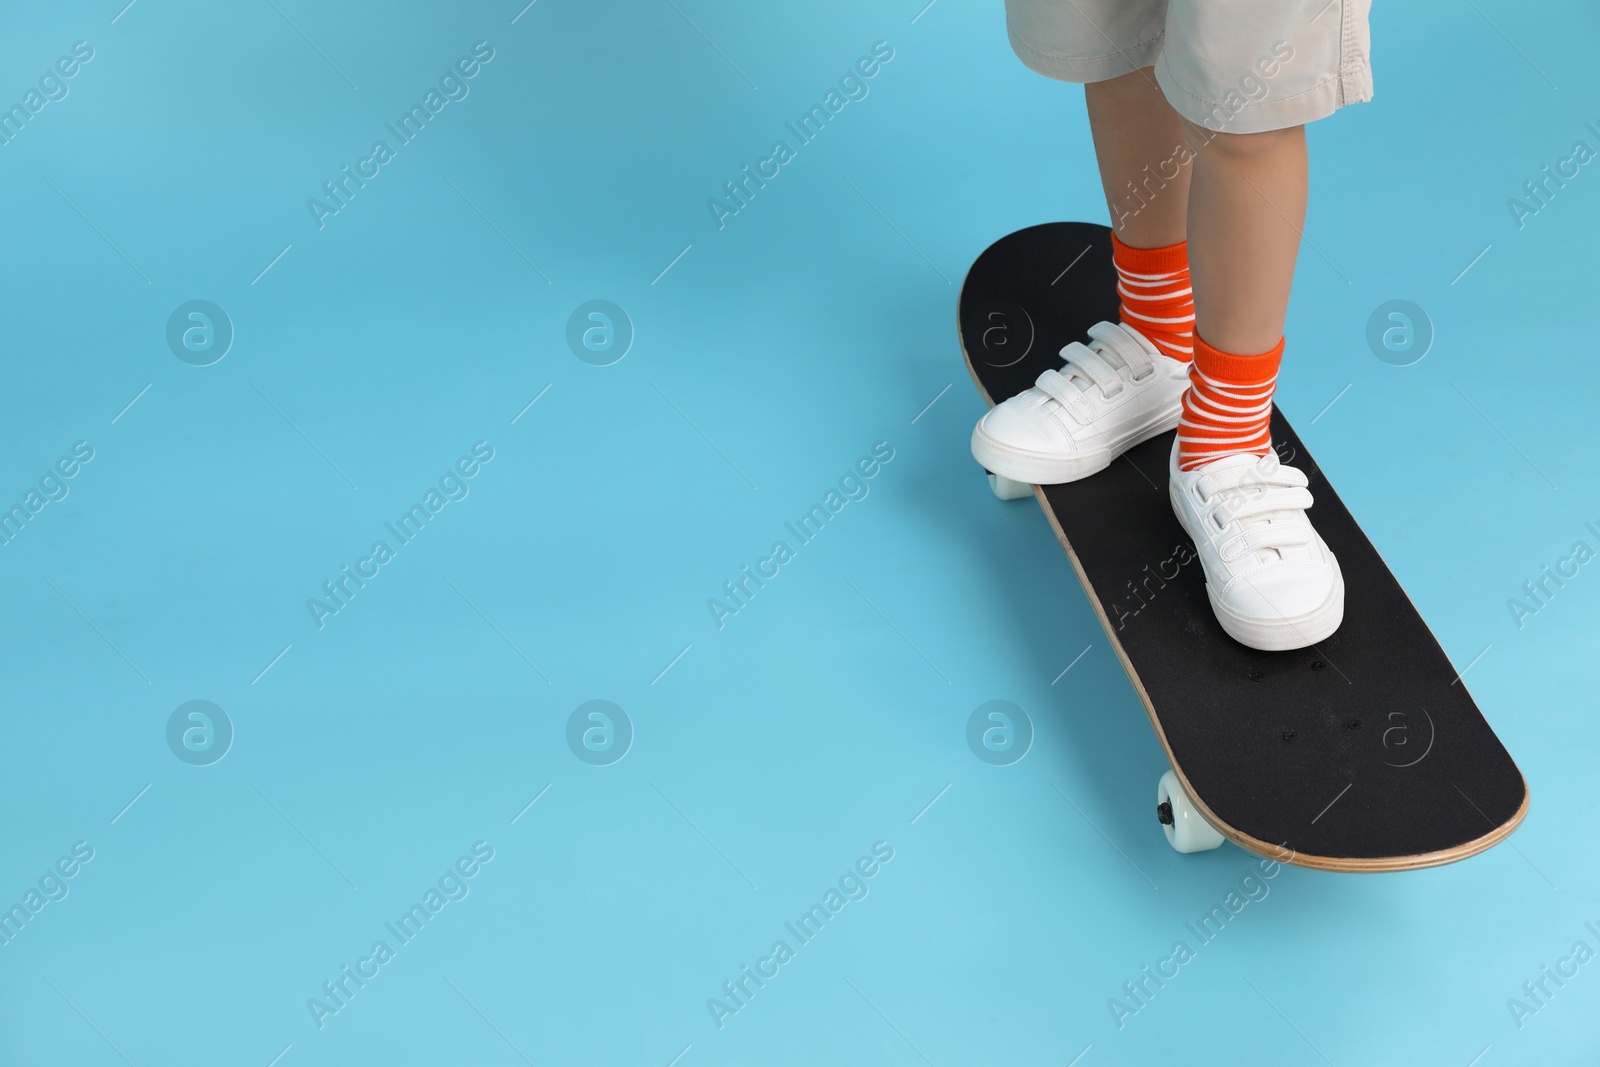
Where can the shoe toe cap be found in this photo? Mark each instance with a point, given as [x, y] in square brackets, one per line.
[1024, 422]
[1284, 590]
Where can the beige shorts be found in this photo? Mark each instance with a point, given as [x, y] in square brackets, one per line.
[1238, 66]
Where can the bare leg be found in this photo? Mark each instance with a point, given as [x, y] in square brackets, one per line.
[1247, 206]
[1140, 144]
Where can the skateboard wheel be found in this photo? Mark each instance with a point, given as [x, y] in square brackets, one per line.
[1006, 489]
[1187, 830]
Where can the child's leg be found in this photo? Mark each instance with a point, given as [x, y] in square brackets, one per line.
[1139, 143]
[1247, 207]
[1272, 581]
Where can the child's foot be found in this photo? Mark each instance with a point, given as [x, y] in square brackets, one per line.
[1272, 582]
[1111, 394]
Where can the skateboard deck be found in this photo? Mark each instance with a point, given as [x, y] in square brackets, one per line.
[1362, 753]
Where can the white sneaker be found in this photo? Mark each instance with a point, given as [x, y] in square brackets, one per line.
[1271, 579]
[1111, 394]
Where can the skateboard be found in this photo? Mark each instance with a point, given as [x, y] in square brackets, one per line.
[1362, 753]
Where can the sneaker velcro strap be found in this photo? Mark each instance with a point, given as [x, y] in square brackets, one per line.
[1273, 477]
[1274, 499]
[1119, 341]
[1277, 535]
[1055, 385]
[1094, 366]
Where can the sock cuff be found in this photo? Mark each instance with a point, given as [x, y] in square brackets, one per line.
[1165, 260]
[1239, 370]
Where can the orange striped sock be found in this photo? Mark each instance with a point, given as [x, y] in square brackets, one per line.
[1227, 409]
[1156, 298]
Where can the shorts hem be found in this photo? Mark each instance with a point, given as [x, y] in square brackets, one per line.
[1084, 69]
[1263, 116]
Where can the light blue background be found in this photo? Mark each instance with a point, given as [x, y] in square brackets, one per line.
[831, 711]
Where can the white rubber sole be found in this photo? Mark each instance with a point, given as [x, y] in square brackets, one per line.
[1043, 468]
[1281, 634]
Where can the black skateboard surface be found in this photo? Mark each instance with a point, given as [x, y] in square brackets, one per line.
[1365, 752]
